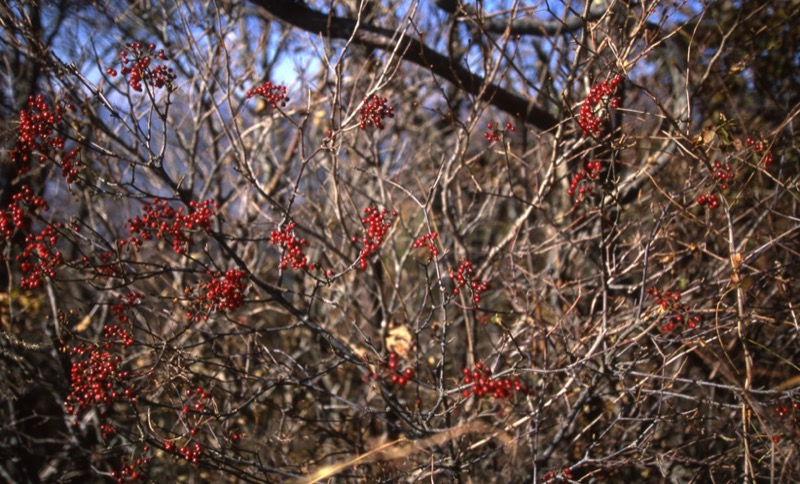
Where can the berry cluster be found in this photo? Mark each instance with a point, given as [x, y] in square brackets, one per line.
[132, 470]
[392, 367]
[38, 137]
[292, 248]
[676, 313]
[222, 293]
[126, 302]
[494, 133]
[273, 94]
[565, 475]
[426, 240]
[14, 217]
[116, 334]
[711, 200]
[760, 147]
[69, 166]
[483, 385]
[722, 174]
[40, 258]
[373, 111]
[580, 186]
[597, 104]
[237, 436]
[108, 431]
[464, 276]
[376, 224]
[200, 397]
[138, 64]
[197, 402]
[106, 263]
[190, 451]
[160, 221]
[97, 379]
[783, 411]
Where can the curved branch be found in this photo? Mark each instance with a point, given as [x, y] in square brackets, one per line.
[525, 26]
[411, 50]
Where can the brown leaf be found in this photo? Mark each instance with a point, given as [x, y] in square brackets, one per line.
[736, 260]
[399, 341]
[84, 323]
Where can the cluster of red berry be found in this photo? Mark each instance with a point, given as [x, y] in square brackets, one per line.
[398, 377]
[783, 410]
[97, 379]
[191, 451]
[597, 104]
[373, 111]
[38, 135]
[132, 470]
[760, 147]
[160, 221]
[222, 293]
[104, 263]
[200, 397]
[292, 248]
[676, 313]
[37, 138]
[69, 166]
[464, 277]
[483, 385]
[427, 240]
[391, 366]
[116, 334]
[197, 402]
[273, 94]
[40, 258]
[710, 200]
[125, 302]
[722, 174]
[107, 430]
[494, 133]
[377, 223]
[580, 187]
[14, 217]
[565, 475]
[137, 64]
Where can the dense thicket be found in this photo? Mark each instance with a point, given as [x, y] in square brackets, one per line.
[399, 241]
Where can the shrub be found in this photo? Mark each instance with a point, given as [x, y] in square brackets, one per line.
[266, 241]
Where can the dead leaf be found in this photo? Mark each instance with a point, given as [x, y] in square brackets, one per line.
[736, 260]
[402, 448]
[709, 136]
[399, 341]
[84, 323]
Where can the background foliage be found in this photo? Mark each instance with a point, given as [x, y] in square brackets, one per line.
[399, 241]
